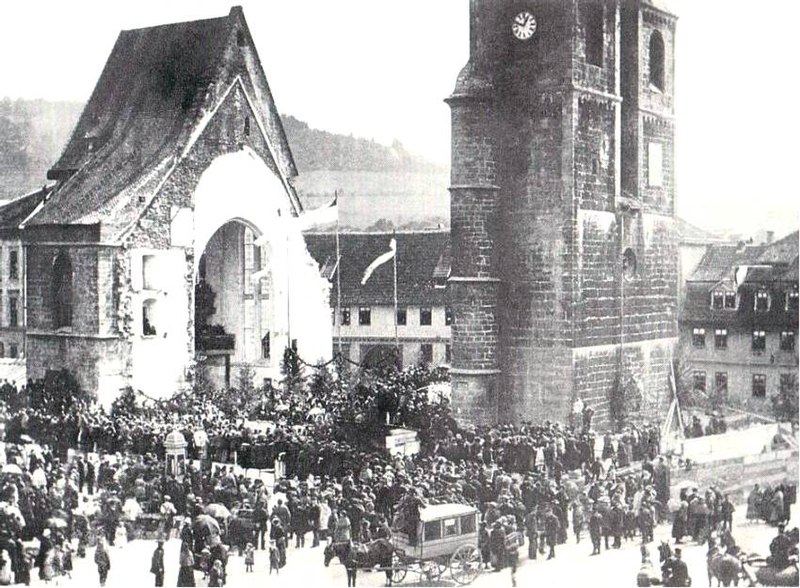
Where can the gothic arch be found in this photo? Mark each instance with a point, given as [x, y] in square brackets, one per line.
[656, 60]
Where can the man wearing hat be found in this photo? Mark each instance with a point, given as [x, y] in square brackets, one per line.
[675, 571]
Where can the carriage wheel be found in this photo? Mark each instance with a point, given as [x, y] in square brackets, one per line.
[465, 565]
[398, 569]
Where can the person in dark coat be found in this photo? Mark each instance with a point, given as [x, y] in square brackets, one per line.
[497, 544]
[102, 560]
[484, 543]
[552, 527]
[677, 572]
[532, 530]
[45, 545]
[157, 563]
[90, 477]
[596, 530]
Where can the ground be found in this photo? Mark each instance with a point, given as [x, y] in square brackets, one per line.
[130, 565]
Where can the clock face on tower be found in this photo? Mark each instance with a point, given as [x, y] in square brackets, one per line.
[523, 26]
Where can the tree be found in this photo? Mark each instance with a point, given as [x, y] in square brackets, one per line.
[785, 402]
[625, 397]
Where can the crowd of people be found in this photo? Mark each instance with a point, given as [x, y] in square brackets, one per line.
[534, 481]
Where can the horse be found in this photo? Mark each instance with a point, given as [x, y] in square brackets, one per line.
[357, 555]
[724, 567]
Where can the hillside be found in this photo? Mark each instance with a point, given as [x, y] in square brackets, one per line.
[378, 184]
[32, 135]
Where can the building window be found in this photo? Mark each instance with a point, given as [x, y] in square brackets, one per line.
[447, 353]
[759, 385]
[721, 338]
[717, 300]
[721, 382]
[655, 164]
[13, 314]
[345, 316]
[61, 291]
[788, 383]
[698, 337]
[657, 60]
[149, 318]
[247, 126]
[364, 316]
[787, 340]
[762, 301]
[792, 300]
[13, 265]
[265, 346]
[426, 353]
[425, 316]
[440, 282]
[594, 30]
[149, 272]
[699, 381]
[448, 316]
[759, 341]
[402, 316]
[730, 300]
[2, 350]
[13, 351]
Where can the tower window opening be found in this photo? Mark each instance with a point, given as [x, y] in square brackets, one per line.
[629, 264]
[657, 60]
[61, 294]
[594, 33]
[247, 126]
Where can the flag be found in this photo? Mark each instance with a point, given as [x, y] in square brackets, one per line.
[323, 215]
[379, 261]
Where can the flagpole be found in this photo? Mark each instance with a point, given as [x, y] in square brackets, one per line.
[288, 291]
[396, 339]
[338, 317]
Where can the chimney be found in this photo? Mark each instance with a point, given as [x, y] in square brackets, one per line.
[770, 237]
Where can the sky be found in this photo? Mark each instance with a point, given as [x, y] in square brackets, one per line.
[382, 68]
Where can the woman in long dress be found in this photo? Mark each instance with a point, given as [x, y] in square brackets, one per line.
[754, 504]
[186, 562]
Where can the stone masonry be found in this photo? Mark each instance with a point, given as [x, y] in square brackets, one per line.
[564, 279]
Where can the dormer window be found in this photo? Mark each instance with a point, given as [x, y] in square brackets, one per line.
[730, 300]
[792, 300]
[717, 300]
[761, 302]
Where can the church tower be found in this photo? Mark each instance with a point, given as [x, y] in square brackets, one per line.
[564, 275]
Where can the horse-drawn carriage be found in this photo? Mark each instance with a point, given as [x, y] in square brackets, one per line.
[446, 538]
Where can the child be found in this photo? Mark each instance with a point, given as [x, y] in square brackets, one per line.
[274, 558]
[205, 562]
[249, 557]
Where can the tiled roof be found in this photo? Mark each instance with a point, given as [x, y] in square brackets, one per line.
[154, 91]
[16, 211]
[690, 234]
[781, 251]
[421, 256]
[719, 261]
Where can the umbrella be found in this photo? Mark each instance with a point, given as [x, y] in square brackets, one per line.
[317, 410]
[56, 523]
[218, 511]
[206, 524]
[12, 468]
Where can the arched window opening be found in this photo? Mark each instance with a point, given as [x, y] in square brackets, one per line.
[62, 291]
[247, 126]
[657, 60]
[629, 264]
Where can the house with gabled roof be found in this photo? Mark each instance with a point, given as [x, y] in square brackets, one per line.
[167, 244]
[739, 322]
[364, 326]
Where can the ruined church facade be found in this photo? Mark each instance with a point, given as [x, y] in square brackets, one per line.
[167, 247]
